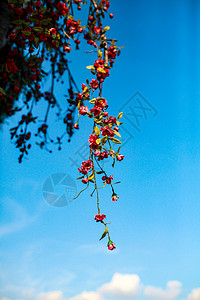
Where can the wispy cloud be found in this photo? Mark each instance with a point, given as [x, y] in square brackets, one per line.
[21, 218]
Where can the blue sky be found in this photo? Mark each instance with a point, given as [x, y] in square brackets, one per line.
[50, 253]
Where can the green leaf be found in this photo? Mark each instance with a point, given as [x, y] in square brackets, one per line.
[99, 54]
[90, 115]
[90, 67]
[106, 28]
[114, 140]
[98, 141]
[36, 42]
[105, 233]
[120, 115]
[91, 176]
[92, 101]
[97, 131]
[101, 70]
[27, 33]
[17, 22]
[2, 91]
[38, 29]
[104, 139]
[117, 133]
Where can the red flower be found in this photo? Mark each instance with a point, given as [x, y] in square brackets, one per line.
[19, 11]
[83, 110]
[79, 97]
[16, 89]
[52, 30]
[76, 126]
[103, 155]
[97, 153]
[62, 8]
[96, 29]
[37, 4]
[67, 49]
[92, 141]
[107, 131]
[120, 157]
[107, 179]
[96, 110]
[114, 197]
[84, 180]
[111, 245]
[85, 167]
[12, 36]
[107, 4]
[112, 52]
[94, 84]
[99, 218]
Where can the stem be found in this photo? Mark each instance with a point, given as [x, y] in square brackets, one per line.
[95, 183]
[105, 174]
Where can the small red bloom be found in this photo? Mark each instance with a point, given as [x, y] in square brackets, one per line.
[85, 167]
[16, 89]
[94, 84]
[19, 11]
[67, 49]
[84, 180]
[111, 246]
[12, 36]
[114, 197]
[92, 141]
[76, 126]
[99, 218]
[37, 4]
[107, 179]
[52, 30]
[83, 110]
[120, 157]
[107, 4]
[97, 153]
[107, 131]
[96, 29]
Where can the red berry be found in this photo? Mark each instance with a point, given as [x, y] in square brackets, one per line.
[37, 4]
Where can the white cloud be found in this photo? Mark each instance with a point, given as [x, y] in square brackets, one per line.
[55, 295]
[122, 286]
[156, 293]
[194, 295]
[88, 296]
[58, 295]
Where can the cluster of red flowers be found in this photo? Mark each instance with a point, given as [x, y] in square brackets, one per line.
[42, 31]
[102, 71]
[86, 166]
